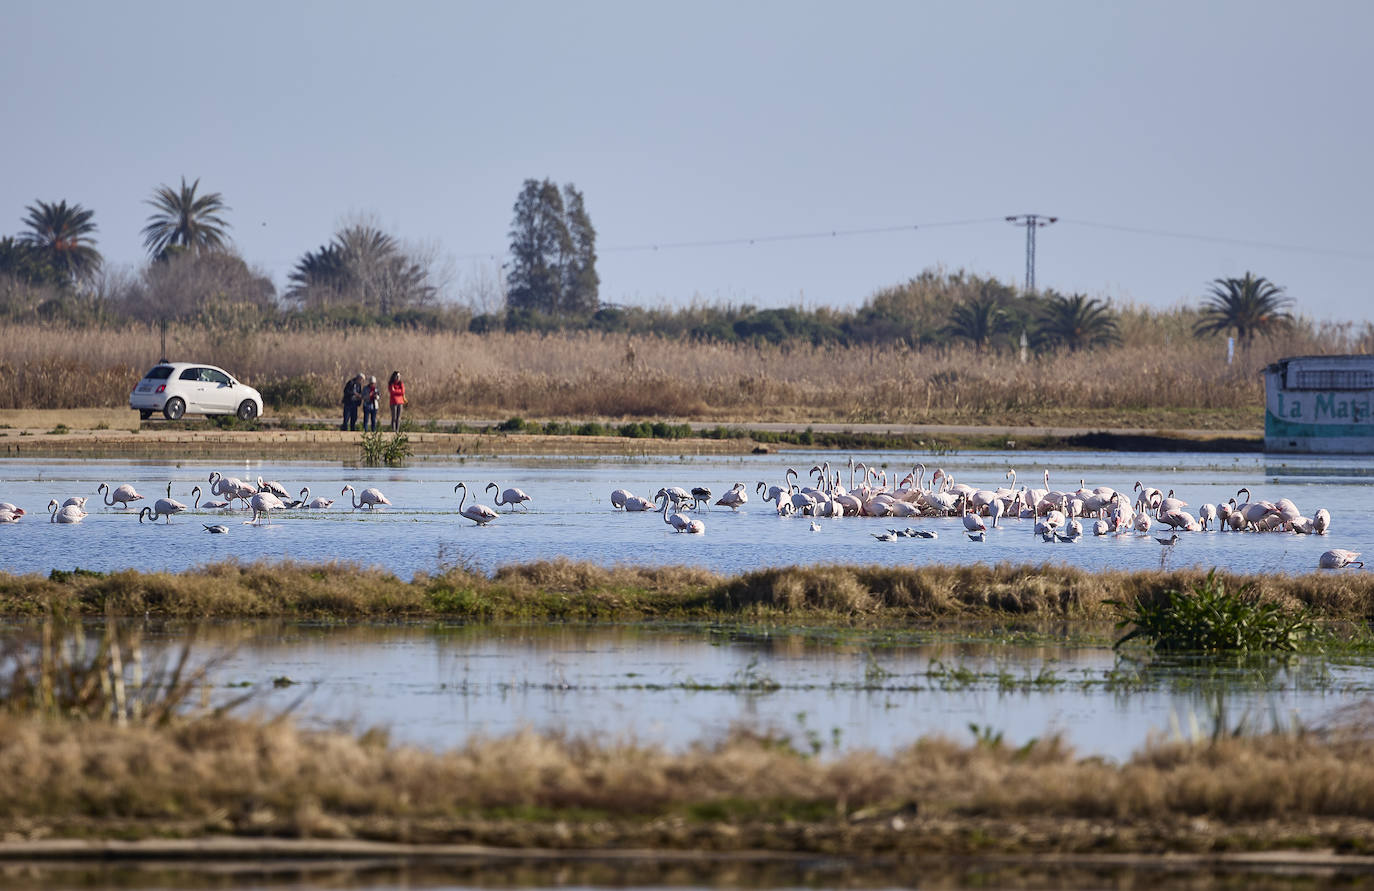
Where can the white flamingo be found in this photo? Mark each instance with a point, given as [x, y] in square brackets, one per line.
[68, 513]
[735, 498]
[208, 504]
[620, 496]
[262, 504]
[319, 503]
[274, 487]
[9, 513]
[635, 504]
[477, 513]
[507, 497]
[679, 521]
[121, 495]
[163, 507]
[1337, 558]
[368, 498]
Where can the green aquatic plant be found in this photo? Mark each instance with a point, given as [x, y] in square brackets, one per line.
[379, 448]
[1211, 619]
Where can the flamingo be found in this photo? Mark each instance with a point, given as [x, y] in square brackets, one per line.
[1321, 521]
[1338, 558]
[68, 513]
[620, 496]
[635, 504]
[9, 513]
[701, 494]
[972, 522]
[121, 496]
[513, 497]
[163, 507]
[210, 504]
[734, 498]
[319, 503]
[477, 513]
[262, 503]
[368, 498]
[275, 488]
[679, 521]
[76, 501]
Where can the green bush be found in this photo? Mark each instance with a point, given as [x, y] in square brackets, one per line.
[1210, 619]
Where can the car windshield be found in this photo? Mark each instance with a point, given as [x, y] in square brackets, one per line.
[159, 373]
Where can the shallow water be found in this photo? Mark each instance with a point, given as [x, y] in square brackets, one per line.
[570, 514]
[437, 685]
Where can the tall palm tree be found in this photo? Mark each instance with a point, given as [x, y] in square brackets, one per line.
[185, 219]
[361, 265]
[1248, 306]
[978, 320]
[1077, 322]
[60, 235]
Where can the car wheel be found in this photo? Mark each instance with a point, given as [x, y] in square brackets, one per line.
[248, 410]
[144, 414]
[174, 409]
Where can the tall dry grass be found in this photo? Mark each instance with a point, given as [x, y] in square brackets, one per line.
[1156, 372]
[749, 791]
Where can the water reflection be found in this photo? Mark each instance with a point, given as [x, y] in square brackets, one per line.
[438, 684]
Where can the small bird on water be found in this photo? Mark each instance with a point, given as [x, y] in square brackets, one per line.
[217, 528]
[977, 536]
[1170, 541]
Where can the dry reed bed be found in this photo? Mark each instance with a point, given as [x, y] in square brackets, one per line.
[607, 375]
[258, 777]
[567, 590]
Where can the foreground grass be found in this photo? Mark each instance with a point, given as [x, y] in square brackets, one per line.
[563, 590]
[750, 791]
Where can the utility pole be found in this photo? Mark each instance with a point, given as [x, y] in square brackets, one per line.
[1031, 221]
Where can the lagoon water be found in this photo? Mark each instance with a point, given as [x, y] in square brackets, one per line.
[436, 685]
[570, 514]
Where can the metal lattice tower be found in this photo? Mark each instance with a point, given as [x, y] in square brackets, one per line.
[1031, 222]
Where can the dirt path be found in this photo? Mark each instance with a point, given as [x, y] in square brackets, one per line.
[97, 432]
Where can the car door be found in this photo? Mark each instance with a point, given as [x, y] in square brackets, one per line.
[190, 387]
[219, 391]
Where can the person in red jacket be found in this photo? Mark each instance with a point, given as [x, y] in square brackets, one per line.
[397, 388]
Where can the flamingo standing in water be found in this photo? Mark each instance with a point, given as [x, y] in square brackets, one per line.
[1338, 558]
[512, 497]
[368, 498]
[121, 495]
[477, 513]
[262, 504]
[163, 507]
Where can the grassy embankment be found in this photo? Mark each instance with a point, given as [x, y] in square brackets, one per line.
[560, 590]
[1160, 378]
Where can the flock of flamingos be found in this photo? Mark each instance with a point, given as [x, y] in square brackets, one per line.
[1058, 515]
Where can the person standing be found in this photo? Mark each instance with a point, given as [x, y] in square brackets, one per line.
[397, 389]
[370, 404]
[352, 398]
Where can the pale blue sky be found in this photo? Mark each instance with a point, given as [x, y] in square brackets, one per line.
[1247, 122]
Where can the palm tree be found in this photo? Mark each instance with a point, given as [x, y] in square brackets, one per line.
[1077, 322]
[1248, 306]
[978, 320]
[185, 220]
[60, 235]
[361, 265]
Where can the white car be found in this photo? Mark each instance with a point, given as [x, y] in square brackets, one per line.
[175, 388]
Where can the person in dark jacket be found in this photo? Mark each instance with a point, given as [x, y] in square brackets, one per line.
[352, 398]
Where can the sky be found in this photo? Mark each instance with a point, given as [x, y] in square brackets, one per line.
[1176, 142]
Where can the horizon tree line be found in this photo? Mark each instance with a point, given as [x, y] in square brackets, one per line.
[551, 281]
